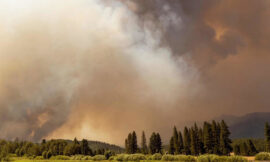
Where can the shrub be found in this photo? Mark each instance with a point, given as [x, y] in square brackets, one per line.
[39, 158]
[169, 157]
[262, 156]
[156, 156]
[121, 157]
[185, 158]
[136, 157]
[108, 154]
[112, 158]
[216, 158]
[60, 157]
[87, 158]
[99, 157]
[49, 155]
[236, 159]
[44, 155]
[77, 157]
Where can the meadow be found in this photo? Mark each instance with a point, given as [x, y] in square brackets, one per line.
[133, 157]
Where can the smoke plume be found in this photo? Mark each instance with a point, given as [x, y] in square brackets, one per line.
[100, 69]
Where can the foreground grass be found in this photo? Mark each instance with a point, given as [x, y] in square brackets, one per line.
[134, 157]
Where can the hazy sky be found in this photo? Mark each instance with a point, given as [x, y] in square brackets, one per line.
[98, 69]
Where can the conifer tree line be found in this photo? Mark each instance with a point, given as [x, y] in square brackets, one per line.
[212, 138]
[154, 146]
[49, 148]
[245, 148]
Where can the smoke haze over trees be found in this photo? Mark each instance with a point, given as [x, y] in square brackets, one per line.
[87, 68]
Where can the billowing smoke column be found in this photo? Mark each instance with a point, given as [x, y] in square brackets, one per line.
[100, 69]
[70, 64]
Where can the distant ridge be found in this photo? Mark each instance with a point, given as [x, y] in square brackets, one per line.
[95, 145]
[247, 126]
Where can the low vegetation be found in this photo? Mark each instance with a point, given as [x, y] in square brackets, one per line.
[211, 143]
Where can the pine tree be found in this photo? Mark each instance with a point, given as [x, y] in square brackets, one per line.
[152, 140]
[201, 146]
[186, 141]
[158, 143]
[129, 144]
[207, 137]
[134, 145]
[171, 146]
[225, 141]
[196, 139]
[85, 149]
[236, 149]
[251, 148]
[181, 144]
[143, 144]
[243, 149]
[215, 136]
[267, 137]
[176, 141]
[193, 149]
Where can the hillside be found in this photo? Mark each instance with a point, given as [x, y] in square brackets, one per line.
[95, 145]
[247, 126]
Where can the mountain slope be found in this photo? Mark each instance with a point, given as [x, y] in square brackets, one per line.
[247, 126]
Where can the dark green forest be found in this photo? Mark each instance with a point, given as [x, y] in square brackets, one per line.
[211, 138]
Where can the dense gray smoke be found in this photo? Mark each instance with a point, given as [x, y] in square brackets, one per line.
[100, 69]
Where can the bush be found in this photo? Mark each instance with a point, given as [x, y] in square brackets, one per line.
[185, 158]
[39, 158]
[169, 157]
[44, 155]
[156, 156]
[60, 157]
[87, 158]
[99, 157]
[216, 158]
[236, 159]
[136, 157]
[77, 157]
[108, 154]
[121, 157]
[262, 156]
[49, 155]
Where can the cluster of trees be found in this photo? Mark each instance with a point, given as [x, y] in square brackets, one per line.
[245, 148]
[155, 144]
[267, 137]
[48, 148]
[212, 139]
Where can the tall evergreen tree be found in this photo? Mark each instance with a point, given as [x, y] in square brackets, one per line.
[193, 144]
[215, 136]
[131, 143]
[158, 143]
[181, 144]
[152, 145]
[267, 137]
[176, 141]
[171, 146]
[85, 149]
[187, 141]
[143, 144]
[207, 137]
[251, 148]
[243, 149]
[134, 144]
[225, 141]
[128, 144]
[201, 146]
